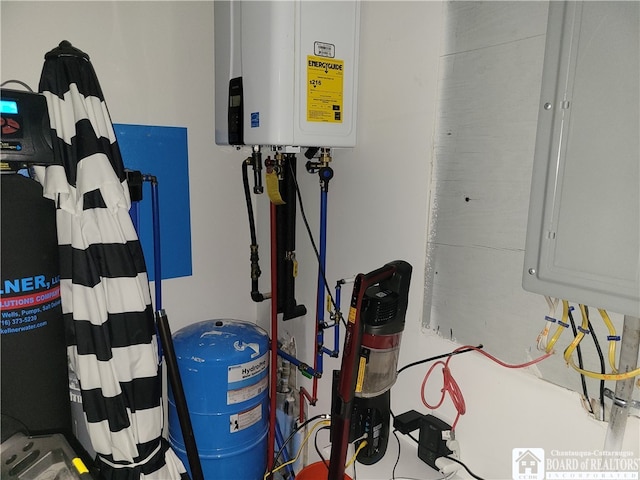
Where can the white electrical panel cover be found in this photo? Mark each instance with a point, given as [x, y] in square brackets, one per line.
[583, 235]
[298, 61]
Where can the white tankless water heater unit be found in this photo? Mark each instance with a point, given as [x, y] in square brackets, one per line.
[286, 72]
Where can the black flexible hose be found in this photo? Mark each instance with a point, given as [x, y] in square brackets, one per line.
[256, 296]
[182, 409]
[247, 196]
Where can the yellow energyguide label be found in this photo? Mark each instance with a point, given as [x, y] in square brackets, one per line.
[325, 89]
[361, 368]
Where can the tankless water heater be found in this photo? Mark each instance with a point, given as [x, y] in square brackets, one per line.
[286, 72]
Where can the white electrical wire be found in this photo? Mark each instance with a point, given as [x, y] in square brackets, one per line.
[549, 319]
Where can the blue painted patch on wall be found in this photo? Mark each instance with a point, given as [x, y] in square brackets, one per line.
[161, 152]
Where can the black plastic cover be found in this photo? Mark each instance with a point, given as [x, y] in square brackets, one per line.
[26, 133]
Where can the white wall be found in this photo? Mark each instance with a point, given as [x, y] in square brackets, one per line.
[154, 61]
[155, 64]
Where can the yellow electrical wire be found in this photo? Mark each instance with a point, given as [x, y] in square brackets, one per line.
[579, 336]
[306, 439]
[562, 324]
[614, 375]
[605, 376]
[613, 336]
[353, 459]
[304, 442]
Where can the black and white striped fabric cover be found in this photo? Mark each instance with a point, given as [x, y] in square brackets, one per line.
[106, 301]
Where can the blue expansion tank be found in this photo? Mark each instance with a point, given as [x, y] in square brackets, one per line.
[224, 365]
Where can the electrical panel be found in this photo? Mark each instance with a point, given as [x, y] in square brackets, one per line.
[286, 72]
[583, 235]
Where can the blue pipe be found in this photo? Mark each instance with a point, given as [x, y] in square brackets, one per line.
[157, 263]
[305, 369]
[336, 326]
[134, 213]
[321, 276]
[157, 268]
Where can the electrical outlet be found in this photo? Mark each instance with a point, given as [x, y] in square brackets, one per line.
[432, 443]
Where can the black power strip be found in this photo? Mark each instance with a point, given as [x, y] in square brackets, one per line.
[432, 443]
[434, 433]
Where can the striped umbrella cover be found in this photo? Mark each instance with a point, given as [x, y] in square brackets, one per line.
[106, 301]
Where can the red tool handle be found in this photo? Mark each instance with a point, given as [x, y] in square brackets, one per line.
[341, 414]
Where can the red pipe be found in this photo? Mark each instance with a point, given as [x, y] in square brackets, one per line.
[315, 364]
[304, 395]
[274, 340]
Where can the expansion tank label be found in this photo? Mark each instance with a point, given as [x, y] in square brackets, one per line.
[247, 393]
[242, 420]
[244, 371]
[325, 89]
[26, 303]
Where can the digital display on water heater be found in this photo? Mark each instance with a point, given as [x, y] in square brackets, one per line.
[235, 100]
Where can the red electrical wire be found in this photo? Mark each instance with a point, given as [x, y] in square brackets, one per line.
[451, 387]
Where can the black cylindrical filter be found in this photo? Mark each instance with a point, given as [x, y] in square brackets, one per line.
[34, 387]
